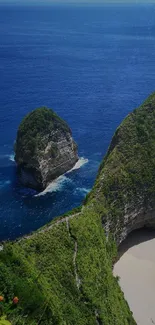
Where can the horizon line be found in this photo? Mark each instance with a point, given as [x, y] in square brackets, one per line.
[76, 2]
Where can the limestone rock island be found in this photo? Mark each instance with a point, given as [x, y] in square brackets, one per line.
[44, 148]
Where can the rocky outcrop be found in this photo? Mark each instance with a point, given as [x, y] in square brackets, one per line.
[125, 186]
[44, 148]
[135, 217]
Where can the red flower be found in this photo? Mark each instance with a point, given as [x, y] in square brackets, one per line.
[1, 298]
[15, 300]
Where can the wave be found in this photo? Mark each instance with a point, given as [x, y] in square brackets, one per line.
[56, 185]
[83, 190]
[81, 162]
[12, 157]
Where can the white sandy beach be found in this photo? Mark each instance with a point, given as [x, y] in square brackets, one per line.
[136, 269]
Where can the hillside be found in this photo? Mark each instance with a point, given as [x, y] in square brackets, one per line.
[62, 274]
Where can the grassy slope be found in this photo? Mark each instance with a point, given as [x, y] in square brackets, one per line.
[44, 271]
[41, 272]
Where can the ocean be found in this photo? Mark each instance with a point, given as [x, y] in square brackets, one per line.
[93, 64]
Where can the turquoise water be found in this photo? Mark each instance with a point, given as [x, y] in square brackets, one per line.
[92, 65]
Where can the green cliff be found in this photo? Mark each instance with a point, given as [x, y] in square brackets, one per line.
[126, 179]
[62, 274]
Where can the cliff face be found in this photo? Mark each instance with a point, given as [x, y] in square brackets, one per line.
[126, 180]
[44, 148]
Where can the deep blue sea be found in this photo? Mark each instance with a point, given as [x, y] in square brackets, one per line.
[92, 65]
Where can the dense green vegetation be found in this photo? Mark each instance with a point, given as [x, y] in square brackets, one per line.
[4, 321]
[34, 134]
[62, 274]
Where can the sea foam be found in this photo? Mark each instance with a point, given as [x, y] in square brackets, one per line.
[81, 162]
[82, 190]
[9, 157]
[12, 157]
[56, 185]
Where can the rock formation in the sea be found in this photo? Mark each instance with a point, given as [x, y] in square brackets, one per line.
[126, 180]
[44, 148]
